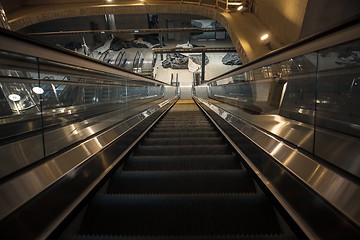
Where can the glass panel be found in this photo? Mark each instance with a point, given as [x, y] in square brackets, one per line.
[46, 106]
[79, 102]
[19, 77]
[337, 106]
[297, 83]
[339, 89]
[278, 98]
[20, 105]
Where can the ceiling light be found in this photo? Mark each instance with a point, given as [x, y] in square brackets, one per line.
[240, 8]
[109, 1]
[264, 37]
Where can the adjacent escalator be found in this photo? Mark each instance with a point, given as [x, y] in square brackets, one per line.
[182, 181]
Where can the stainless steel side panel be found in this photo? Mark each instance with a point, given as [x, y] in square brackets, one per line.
[13, 155]
[16, 155]
[338, 190]
[16, 192]
[345, 150]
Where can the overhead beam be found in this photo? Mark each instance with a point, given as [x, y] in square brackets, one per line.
[194, 50]
[132, 31]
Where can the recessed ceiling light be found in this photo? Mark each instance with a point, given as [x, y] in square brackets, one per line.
[264, 37]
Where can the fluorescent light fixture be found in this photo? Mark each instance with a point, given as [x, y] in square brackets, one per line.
[38, 90]
[264, 37]
[240, 8]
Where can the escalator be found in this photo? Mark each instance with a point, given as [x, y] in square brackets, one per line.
[182, 181]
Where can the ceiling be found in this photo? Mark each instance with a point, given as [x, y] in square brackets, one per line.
[282, 19]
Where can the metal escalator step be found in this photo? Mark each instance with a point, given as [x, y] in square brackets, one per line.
[181, 182]
[183, 124]
[216, 237]
[147, 163]
[184, 117]
[182, 141]
[166, 123]
[180, 215]
[180, 115]
[187, 129]
[183, 150]
[180, 120]
[183, 134]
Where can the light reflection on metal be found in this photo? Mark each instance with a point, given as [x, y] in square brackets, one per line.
[276, 129]
[283, 94]
[276, 149]
[335, 188]
[3, 19]
[19, 190]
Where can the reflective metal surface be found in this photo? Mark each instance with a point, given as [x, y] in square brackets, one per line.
[19, 154]
[339, 149]
[338, 190]
[16, 192]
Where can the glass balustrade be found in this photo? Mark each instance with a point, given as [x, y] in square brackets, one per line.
[311, 101]
[46, 106]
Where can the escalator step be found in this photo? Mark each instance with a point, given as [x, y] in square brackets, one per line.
[180, 215]
[182, 141]
[183, 124]
[183, 150]
[181, 182]
[183, 134]
[187, 129]
[166, 124]
[242, 237]
[181, 163]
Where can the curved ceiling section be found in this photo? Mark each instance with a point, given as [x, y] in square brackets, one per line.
[243, 28]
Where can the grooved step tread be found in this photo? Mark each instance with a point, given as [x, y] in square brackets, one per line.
[216, 237]
[185, 129]
[151, 215]
[182, 163]
[183, 134]
[181, 182]
[182, 141]
[183, 150]
[167, 124]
